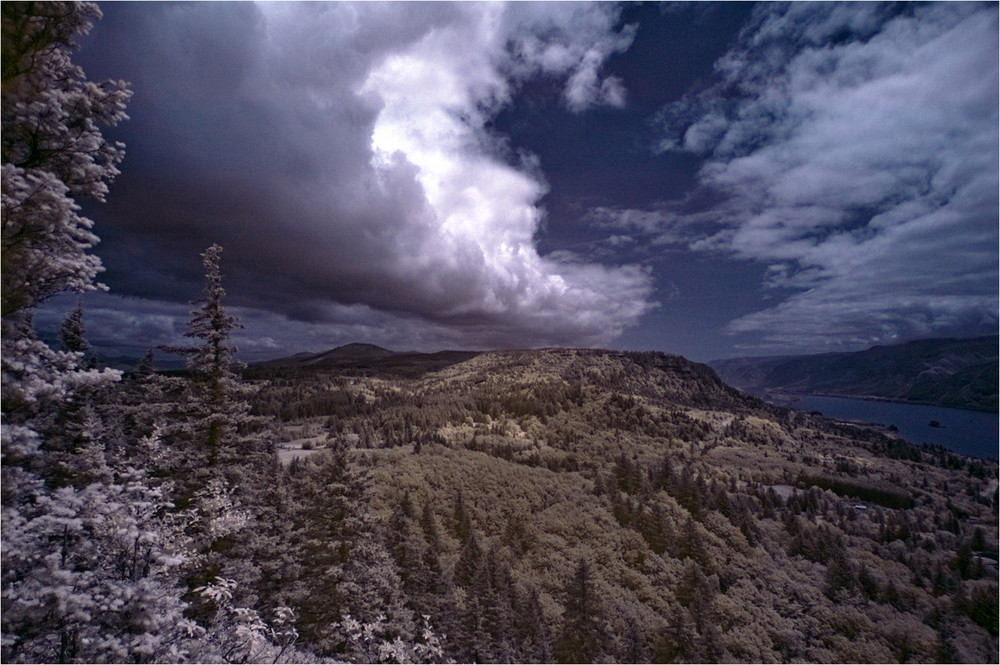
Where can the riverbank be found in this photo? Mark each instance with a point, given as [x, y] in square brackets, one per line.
[778, 398]
[965, 431]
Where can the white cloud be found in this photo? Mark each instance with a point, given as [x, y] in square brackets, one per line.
[481, 213]
[586, 89]
[853, 149]
[570, 39]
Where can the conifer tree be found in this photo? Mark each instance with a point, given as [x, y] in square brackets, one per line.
[72, 334]
[416, 558]
[53, 152]
[532, 629]
[90, 543]
[346, 570]
[461, 520]
[86, 564]
[218, 405]
[469, 560]
[583, 637]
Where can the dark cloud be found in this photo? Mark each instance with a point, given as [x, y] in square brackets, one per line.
[340, 154]
[852, 149]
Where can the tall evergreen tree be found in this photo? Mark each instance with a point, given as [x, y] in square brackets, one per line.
[72, 334]
[218, 400]
[583, 637]
[346, 570]
[532, 629]
[53, 152]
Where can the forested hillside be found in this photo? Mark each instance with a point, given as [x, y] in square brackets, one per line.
[536, 506]
[676, 518]
[949, 372]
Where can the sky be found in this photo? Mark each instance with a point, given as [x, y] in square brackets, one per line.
[706, 179]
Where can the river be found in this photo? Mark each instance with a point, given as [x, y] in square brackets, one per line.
[972, 433]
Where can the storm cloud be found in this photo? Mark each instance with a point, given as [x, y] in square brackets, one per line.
[341, 155]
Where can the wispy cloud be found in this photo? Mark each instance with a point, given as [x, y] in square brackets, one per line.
[853, 149]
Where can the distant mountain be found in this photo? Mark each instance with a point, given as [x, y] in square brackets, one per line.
[364, 359]
[348, 352]
[948, 372]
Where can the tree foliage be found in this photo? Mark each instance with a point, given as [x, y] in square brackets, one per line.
[53, 153]
[216, 397]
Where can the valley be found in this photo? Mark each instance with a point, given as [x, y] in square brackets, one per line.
[960, 373]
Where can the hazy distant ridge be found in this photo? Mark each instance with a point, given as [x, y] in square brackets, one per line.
[365, 358]
[948, 372]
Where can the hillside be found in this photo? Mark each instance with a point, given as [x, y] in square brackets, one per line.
[948, 372]
[579, 505]
[362, 358]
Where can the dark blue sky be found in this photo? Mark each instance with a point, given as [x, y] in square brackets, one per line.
[708, 179]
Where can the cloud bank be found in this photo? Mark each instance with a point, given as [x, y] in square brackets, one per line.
[852, 148]
[340, 153]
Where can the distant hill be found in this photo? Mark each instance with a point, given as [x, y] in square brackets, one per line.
[364, 359]
[341, 354]
[948, 372]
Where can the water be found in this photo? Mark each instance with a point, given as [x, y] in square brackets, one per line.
[972, 433]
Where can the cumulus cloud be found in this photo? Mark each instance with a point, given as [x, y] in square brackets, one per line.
[852, 148]
[340, 153]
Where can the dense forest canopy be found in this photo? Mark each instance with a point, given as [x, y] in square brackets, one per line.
[516, 506]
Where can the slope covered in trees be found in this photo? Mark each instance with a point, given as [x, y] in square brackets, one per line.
[676, 517]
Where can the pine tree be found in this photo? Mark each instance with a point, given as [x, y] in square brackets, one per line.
[101, 585]
[469, 560]
[52, 152]
[532, 630]
[90, 541]
[583, 637]
[72, 334]
[417, 559]
[87, 563]
[428, 522]
[346, 570]
[218, 404]
[461, 520]
[636, 646]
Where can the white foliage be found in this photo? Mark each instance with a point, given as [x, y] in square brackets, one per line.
[86, 566]
[35, 375]
[219, 512]
[372, 645]
[240, 634]
[45, 240]
[52, 114]
[53, 151]
[87, 571]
